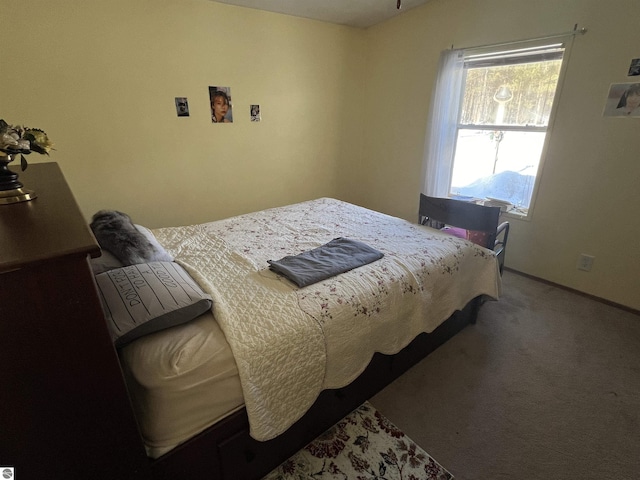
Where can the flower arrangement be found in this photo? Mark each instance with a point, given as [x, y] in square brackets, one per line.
[15, 139]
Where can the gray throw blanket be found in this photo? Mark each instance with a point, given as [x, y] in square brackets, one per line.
[338, 256]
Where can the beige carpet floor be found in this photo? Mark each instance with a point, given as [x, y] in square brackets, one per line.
[546, 385]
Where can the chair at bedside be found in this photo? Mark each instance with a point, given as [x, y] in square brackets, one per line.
[477, 223]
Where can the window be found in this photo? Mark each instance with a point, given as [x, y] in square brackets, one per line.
[487, 140]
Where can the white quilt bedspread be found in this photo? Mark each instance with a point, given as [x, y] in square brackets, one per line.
[291, 343]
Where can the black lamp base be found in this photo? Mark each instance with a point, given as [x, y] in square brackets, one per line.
[11, 190]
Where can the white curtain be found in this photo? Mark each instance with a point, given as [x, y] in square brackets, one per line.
[441, 128]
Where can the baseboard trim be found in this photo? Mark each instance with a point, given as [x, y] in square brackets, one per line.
[573, 290]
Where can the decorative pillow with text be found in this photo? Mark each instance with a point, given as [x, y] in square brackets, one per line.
[147, 297]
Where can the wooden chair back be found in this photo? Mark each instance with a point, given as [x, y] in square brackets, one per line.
[437, 212]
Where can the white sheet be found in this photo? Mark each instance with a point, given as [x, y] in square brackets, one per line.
[291, 343]
[181, 380]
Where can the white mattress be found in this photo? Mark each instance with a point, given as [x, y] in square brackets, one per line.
[174, 393]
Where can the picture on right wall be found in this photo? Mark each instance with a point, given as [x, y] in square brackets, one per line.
[623, 100]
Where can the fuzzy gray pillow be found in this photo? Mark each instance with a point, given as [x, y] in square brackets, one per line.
[117, 234]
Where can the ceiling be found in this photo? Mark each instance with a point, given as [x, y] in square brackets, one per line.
[355, 13]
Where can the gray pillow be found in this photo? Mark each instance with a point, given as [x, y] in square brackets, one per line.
[105, 262]
[116, 232]
[108, 261]
[147, 297]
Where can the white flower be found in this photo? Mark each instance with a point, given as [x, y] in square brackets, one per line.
[16, 139]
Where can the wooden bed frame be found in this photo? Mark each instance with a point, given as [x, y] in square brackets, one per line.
[65, 409]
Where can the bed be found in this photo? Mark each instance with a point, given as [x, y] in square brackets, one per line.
[243, 380]
[66, 399]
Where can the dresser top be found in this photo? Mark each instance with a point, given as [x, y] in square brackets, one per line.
[45, 228]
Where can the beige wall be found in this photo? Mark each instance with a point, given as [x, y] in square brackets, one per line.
[590, 189]
[101, 78]
[344, 115]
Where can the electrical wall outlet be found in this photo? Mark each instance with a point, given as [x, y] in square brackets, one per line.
[585, 262]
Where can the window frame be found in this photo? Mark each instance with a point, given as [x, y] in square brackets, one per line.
[488, 51]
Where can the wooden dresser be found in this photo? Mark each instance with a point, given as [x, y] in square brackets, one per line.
[64, 409]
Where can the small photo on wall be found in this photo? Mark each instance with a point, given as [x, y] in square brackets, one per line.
[255, 113]
[634, 68]
[182, 106]
[220, 100]
[623, 100]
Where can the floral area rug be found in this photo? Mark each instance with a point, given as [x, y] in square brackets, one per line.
[362, 446]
